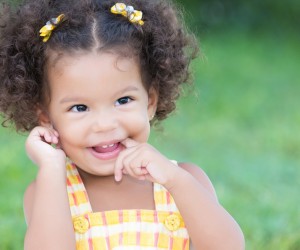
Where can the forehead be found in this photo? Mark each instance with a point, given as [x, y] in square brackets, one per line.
[91, 74]
[59, 61]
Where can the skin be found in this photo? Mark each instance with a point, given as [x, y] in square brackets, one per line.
[98, 99]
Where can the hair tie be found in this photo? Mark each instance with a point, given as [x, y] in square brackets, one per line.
[134, 16]
[47, 29]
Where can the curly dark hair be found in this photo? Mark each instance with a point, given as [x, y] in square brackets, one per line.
[162, 45]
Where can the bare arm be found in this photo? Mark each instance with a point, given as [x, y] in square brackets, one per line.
[46, 203]
[208, 223]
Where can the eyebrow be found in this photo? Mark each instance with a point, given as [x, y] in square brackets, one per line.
[79, 98]
[127, 89]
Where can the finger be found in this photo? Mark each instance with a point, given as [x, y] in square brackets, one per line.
[45, 134]
[139, 172]
[119, 164]
[146, 176]
[129, 143]
[58, 144]
[149, 178]
[133, 164]
[118, 171]
[144, 171]
[54, 136]
[56, 133]
[129, 171]
[50, 137]
[55, 139]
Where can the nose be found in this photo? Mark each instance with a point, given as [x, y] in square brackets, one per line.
[104, 121]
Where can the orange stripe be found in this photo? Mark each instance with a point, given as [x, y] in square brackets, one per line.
[68, 182]
[168, 198]
[121, 222]
[90, 237]
[185, 244]
[156, 234]
[171, 242]
[75, 199]
[138, 235]
[107, 233]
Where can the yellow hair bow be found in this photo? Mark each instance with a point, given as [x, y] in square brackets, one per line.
[47, 29]
[134, 16]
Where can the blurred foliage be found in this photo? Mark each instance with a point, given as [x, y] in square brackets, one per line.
[273, 15]
[12, 2]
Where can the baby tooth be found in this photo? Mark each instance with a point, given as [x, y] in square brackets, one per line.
[107, 146]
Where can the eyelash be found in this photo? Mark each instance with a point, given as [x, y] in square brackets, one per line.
[118, 102]
[77, 106]
[127, 100]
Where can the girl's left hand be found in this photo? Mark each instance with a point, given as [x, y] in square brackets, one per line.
[144, 162]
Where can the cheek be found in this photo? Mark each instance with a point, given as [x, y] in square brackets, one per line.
[67, 134]
[139, 128]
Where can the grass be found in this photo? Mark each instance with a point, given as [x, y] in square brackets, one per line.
[241, 127]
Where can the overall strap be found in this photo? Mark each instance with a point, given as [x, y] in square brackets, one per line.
[163, 199]
[78, 198]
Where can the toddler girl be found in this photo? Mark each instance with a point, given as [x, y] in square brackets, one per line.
[87, 78]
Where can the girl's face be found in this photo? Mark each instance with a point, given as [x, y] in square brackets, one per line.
[96, 102]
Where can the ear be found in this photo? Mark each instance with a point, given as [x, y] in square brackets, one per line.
[152, 103]
[43, 118]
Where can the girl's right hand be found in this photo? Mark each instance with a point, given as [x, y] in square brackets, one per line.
[39, 149]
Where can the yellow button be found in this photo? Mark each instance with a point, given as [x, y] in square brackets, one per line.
[172, 222]
[81, 224]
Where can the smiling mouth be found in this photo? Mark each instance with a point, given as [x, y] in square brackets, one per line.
[106, 148]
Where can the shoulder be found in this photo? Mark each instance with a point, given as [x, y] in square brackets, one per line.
[28, 201]
[200, 175]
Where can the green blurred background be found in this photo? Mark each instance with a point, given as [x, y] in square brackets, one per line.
[239, 123]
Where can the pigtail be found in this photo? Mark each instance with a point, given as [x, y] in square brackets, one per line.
[168, 49]
[20, 72]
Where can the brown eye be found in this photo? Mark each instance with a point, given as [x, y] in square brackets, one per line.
[79, 108]
[123, 100]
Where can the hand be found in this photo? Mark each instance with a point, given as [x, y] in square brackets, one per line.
[39, 149]
[144, 162]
